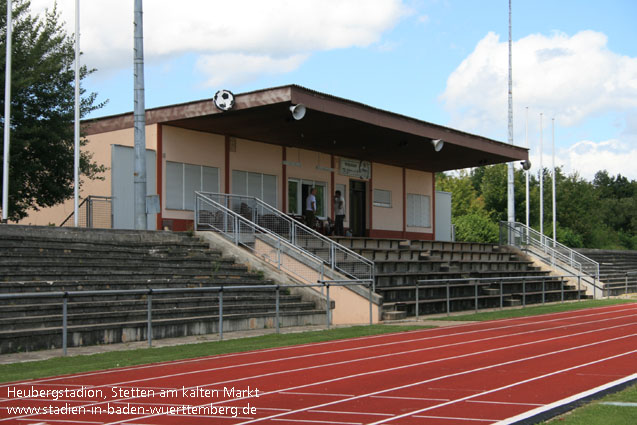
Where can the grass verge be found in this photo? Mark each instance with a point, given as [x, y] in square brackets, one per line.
[85, 363]
[534, 310]
[599, 412]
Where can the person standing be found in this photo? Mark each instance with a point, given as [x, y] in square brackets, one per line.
[339, 213]
[310, 208]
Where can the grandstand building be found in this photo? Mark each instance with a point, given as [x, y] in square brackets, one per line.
[384, 163]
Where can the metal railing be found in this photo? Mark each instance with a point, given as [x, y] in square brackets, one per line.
[66, 296]
[619, 283]
[525, 281]
[208, 214]
[93, 212]
[549, 251]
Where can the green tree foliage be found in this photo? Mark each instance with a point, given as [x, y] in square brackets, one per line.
[42, 110]
[597, 214]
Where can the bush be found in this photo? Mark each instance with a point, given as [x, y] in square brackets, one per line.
[476, 228]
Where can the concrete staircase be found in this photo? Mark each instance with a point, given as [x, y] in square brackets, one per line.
[617, 269]
[401, 264]
[47, 259]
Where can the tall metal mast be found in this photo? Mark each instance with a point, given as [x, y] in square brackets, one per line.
[510, 168]
[140, 122]
[7, 118]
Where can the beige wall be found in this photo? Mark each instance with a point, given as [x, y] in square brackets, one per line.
[421, 183]
[387, 177]
[100, 146]
[258, 158]
[191, 147]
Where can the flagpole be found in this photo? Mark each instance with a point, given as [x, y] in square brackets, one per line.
[76, 159]
[526, 143]
[7, 118]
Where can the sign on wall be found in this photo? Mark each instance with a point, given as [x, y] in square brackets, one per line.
[355, 168]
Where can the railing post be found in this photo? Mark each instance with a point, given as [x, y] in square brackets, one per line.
[197, 207]
[579, 290]
[221, 313]
[543, 289]
[236, 230]
[64, 322]
[417, 299]
[328, 307]
[278, 253]
[371, 321]
[333, 256]
[523, 293]
[448, 300]
[475, 290]
[277, 309]
[501, 294]
[89, 213]
[149, 328]
[562, 290]
[626, 291]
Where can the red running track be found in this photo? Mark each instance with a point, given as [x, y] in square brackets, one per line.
[505, 371]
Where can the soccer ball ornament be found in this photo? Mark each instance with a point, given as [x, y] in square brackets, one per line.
[224, 100]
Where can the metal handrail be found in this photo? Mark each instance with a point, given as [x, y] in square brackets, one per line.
[149, 292]
[338, 257]
[546, 249]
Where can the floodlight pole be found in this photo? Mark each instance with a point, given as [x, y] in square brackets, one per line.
[526, 142]
[140, 122]
[76, 158]
[541, 183]
[7, 118]
[510, 168]
[554, 204]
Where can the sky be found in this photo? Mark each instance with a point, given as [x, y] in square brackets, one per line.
[441, 61]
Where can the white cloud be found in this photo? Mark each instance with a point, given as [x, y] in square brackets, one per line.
[569, 78]
[275, 35]
[574, 79]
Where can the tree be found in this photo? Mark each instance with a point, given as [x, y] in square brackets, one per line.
[42, 110]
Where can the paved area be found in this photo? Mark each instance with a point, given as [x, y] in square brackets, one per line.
[95, 349]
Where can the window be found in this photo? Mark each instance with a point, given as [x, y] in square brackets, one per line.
[298, 190]
[261, 186]
[382, 198]
[182, 180]
[418, 210]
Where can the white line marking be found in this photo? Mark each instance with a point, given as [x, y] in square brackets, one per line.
[451, 418]
[317, 422]
[410, 398]
[619, 403]
[505, 387]
[340, 412]
[566, 400]
[440, 378]
[318, 394]
[504, 402]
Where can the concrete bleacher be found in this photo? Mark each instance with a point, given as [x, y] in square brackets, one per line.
[400, 265]
[617, 269]
[47, 259]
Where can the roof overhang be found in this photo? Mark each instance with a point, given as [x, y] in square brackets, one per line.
[331, 125]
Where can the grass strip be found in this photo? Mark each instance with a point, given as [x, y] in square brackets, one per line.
[113, 359]
[599, 413]
[534, 310]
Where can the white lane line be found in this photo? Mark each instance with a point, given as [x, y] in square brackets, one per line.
[340, 412]
[505, 402]
[451, 418]
[318, 394]
[410, 398]
[566, 400]
[308, 421]
[439, 378]
[568, 315]
[619, 403]
[505, 387]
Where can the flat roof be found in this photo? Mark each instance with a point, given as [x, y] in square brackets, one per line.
[331, 125]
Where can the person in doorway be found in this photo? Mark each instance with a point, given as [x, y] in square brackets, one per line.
[310, 208]
[339, 213]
